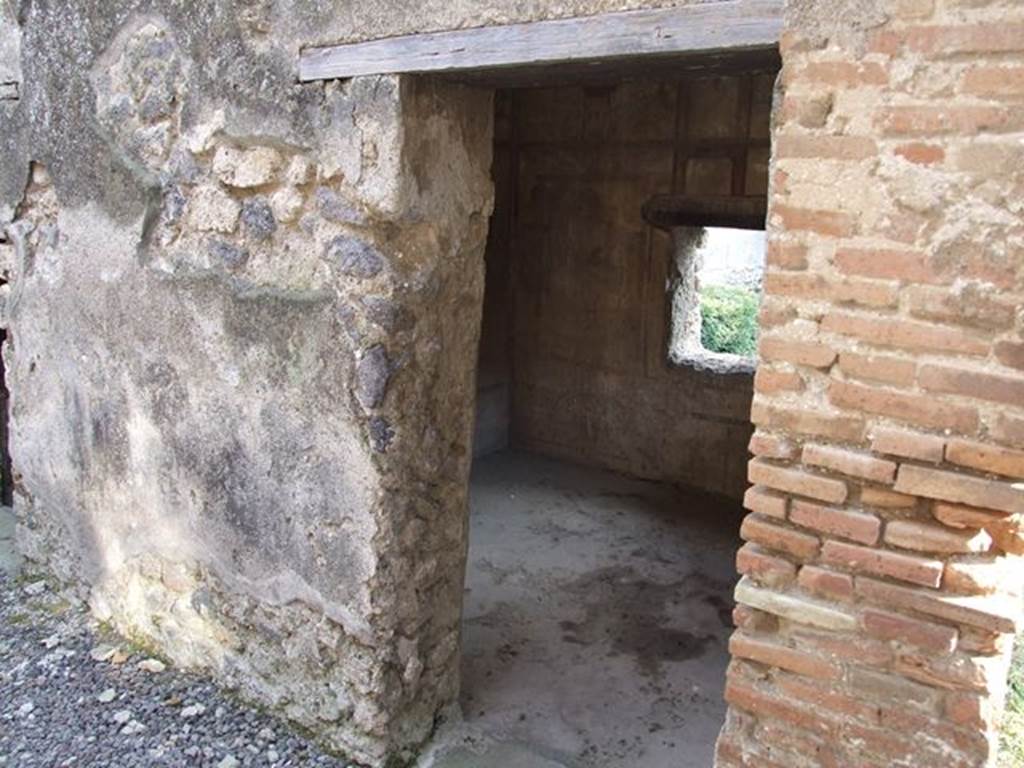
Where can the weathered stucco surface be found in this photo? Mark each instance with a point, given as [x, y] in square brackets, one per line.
[323, 22]
[234, 426]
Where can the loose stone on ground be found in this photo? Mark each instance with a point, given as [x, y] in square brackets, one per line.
[69, 696]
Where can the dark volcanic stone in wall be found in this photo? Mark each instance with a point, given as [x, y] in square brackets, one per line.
[258, 219]
[334, 207]
[381, 433]
[355, 257]
[227, 253]
[372, 375]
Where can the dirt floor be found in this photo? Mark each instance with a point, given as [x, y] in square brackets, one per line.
[596, 621]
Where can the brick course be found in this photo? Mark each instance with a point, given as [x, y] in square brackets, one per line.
[953, 486]
[883, 562]
[969, 382]
[894, 626]
[796, 482]
[844, 523]
[779, 538]
[765, 501]
[916, 409]
[822, 581]
[911, 445]
[850, 463]
[763, 567]
[783, 657]
[987, 458]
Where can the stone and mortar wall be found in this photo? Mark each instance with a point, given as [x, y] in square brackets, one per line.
[882, 571]
[243, 317]
[577, 279]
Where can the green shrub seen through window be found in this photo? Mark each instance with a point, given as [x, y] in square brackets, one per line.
[729, 319]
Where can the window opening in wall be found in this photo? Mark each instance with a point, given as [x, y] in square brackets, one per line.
[715, 290]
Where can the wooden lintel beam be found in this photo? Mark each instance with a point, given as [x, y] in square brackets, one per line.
[704, 27]
[668, 211]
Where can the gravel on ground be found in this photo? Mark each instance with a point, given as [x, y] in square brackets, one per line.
[73, 694]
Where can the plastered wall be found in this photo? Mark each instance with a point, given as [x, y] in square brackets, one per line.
[242, 317]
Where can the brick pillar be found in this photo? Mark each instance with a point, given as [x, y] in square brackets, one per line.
[881, 571]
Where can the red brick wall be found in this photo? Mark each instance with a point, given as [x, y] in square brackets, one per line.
[881, 574]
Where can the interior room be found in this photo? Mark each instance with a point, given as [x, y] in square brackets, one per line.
[610, 447]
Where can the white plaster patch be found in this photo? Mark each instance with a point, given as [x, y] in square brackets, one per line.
[245, 168]
[213, 210]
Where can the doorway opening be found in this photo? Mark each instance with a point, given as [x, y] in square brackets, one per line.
[608, 471]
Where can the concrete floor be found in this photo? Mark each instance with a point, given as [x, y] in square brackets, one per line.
[597, 614]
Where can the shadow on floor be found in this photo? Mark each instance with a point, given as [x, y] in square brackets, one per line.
[598, 609]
